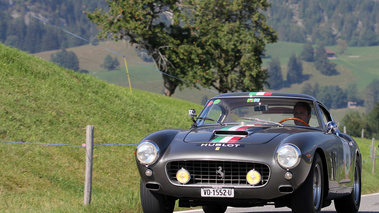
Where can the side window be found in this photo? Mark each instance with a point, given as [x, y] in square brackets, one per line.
[325, 115]
[313, 122]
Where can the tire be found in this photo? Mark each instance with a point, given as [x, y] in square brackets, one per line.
[214, 209]
[351, 203]
[308, 198]
[155, 203]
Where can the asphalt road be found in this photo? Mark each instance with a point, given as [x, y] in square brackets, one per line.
[369, 204]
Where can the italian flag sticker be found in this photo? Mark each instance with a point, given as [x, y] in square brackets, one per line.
[260, 93]
[227, 139]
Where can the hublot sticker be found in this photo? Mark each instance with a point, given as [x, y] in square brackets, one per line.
[228, 145]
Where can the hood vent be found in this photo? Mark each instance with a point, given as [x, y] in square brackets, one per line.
[242, 134]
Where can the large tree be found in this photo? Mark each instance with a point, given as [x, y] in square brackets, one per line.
[216, 43]
[233, 35]
[153, 26]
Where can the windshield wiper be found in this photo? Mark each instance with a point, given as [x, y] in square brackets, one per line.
[263, 121]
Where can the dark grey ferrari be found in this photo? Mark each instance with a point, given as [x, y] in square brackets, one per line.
[252, 149]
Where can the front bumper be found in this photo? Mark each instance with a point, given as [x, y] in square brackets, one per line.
[275, 186]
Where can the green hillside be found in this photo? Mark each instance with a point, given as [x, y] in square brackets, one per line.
[44, 103]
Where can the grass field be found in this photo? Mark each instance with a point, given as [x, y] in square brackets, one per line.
[43, 103]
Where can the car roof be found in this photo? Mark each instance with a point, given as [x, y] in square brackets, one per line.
[266, 94]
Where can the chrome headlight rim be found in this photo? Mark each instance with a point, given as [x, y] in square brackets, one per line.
[297, 156]
[154, 152]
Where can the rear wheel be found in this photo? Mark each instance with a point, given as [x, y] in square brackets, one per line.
[155, 203]
[309, 197]
[351, 203]
[214, 209]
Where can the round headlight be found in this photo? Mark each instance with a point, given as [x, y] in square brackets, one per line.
[147, 152]
[183, 176]
[288, 156]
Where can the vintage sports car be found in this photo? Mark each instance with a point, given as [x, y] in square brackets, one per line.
[252, 149]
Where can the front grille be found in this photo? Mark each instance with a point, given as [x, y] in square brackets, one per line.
[218, 172]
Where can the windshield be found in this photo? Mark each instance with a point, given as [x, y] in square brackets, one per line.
[259, 110]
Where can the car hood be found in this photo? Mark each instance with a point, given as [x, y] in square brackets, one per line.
[252, 134]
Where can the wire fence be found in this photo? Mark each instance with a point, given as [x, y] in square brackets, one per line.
[50, 144]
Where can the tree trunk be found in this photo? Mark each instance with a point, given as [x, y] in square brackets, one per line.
[169, 85]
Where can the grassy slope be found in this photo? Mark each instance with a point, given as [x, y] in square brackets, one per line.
[41, 102]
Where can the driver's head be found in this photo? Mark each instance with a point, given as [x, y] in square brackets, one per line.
[302, 110]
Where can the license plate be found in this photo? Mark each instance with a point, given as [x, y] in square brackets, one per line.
[217, 192]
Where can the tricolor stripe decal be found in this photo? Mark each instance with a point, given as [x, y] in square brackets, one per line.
[260, 93]
[226, 139]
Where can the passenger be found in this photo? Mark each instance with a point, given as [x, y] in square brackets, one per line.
[302, 111]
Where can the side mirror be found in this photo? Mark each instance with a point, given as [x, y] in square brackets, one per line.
[332, 127]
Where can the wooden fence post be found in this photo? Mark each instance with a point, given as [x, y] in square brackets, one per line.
[344, 129]
[373, 163]
[363, 133]
[89, 163]
[373, 154]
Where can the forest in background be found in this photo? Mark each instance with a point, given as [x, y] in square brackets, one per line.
[326, 21]
[318, 21]
[20, 29]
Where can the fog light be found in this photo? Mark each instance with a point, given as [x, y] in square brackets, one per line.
[253, 177]
[183, 176]
[148, 172]
[288, 175]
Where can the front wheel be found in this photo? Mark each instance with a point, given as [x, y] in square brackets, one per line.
[309, 197]
[351, 203]
[155, 203]
[214, 209]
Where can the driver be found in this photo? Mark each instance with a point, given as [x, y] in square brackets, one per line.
[302, 111]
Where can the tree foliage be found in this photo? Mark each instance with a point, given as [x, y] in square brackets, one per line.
[354, 123]
[372, 95]
[307, 54]
[18, 28]
[153, 26]
[321, 21]
[110, 63]
[214, 43]
[333, 97]
[373, 122]
[233, 35]
[322, 63]
[275, 80]
[294, 70]
[67, 59]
